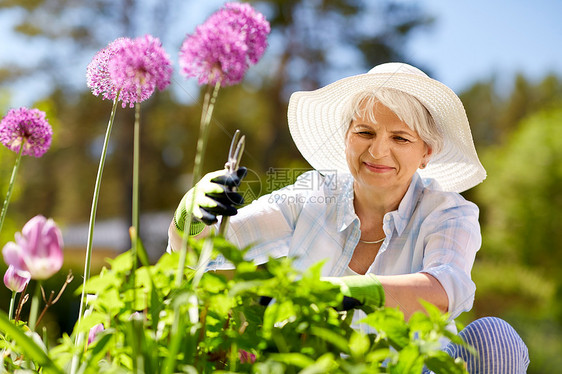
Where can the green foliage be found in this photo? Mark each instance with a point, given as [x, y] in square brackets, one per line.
[223, 326]
[494, 114]
[28, 346]
[522, 193]
[61, 186]
[517, 271]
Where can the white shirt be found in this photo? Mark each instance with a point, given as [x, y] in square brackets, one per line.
[432, 231]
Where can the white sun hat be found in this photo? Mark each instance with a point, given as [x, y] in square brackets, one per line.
[318, 127]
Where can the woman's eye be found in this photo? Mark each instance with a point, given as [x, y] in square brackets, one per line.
[401, 139]
[364, 133]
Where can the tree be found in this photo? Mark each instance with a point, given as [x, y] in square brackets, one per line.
[522, 193]
[494, 115]
[321, 41]
[518, 267]
[311, 43]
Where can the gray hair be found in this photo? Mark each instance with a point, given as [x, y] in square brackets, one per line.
[408, 108]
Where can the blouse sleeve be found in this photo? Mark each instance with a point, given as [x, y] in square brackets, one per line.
[268, 223]
[450, 249]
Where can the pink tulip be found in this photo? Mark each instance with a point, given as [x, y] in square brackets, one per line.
[246, 357]
[16, 280]
[37, 250]
[94, 331]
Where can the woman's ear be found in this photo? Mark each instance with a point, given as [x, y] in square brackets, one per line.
[426, 156]
[428, 153]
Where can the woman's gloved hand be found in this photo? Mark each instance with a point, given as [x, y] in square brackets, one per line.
[364, 289]
[212, 196]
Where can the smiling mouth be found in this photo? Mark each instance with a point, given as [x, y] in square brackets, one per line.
[377, 168]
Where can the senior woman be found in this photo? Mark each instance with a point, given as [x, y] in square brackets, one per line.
[392, 150]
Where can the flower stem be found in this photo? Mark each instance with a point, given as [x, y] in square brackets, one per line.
[12, 304]
[136, 157]
[88, 259]
[34, 306]
[206, 115]
[11, 185]
[177, 325]
[135, 202]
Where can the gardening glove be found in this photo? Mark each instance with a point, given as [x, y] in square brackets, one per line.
[212, 196]
[359, 290]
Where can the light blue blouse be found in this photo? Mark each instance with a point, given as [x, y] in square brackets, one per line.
[432, 231]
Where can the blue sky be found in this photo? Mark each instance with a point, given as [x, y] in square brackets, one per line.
[478, 39]
[470, 40]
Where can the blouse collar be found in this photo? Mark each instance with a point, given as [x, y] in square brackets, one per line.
[346, 211]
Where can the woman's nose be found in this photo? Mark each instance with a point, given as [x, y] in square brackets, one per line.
[379, 147]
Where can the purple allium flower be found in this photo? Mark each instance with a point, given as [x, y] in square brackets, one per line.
[136, 67]
[97, 73]
[15, 279]
[94, 331]
[252, 25]
[29, 126]
[37, 250]
[222, 48]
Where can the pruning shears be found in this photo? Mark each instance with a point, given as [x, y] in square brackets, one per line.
[235, 152]
[234, 155]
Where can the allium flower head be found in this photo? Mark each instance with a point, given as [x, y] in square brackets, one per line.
[15, 279]
[138, 68]
[37, 250]
[97, 72]
[28, 126]
[135, 67]
[223, 47]
[252, 25]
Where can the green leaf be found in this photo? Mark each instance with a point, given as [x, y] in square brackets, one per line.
[277, 314]
[143, 277]
[359, 345]
[332, 337]
[30, 349]
[241, 287]
[420, 323]
[141, 252]
[390, 324]
[269, 367]
[434, 313]
[440, 362]
[325, 364]
[121, 263]
[100, 347]
[136, 339]
[314, 272]
[295, 359]
[379, 355]
[230, 252]
[156, 304]
[213, 283]
[409, 361]
[99, 283]
[87, 322]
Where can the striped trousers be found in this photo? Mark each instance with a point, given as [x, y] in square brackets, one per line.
[499, 349]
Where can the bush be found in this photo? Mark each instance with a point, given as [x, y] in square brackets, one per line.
[217, 324]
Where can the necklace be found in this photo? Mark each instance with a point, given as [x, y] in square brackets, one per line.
[373, 242]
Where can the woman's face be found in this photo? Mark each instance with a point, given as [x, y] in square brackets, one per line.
[384, 154]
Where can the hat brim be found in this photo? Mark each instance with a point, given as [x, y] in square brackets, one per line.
[318, 127]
